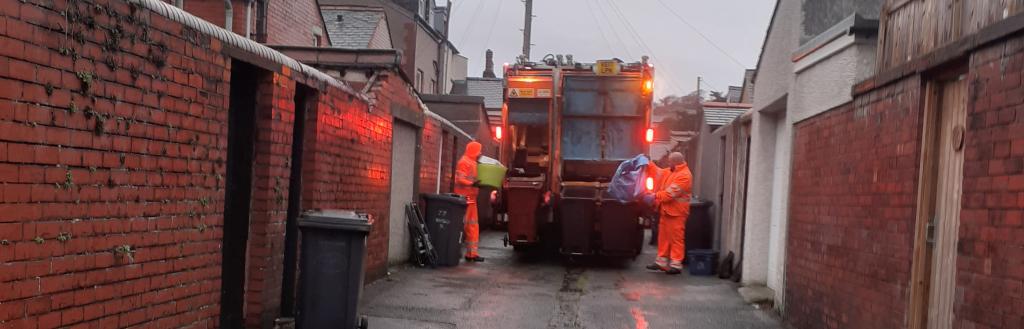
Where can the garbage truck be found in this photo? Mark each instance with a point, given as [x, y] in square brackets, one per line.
[566, 126]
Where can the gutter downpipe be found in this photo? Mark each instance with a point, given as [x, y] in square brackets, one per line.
[248, 19]
[440, 160]
[179, 3]
[229, 14]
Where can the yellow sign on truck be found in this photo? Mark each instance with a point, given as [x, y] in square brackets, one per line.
[607, 67]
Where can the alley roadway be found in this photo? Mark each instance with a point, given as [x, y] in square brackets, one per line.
[512, 290]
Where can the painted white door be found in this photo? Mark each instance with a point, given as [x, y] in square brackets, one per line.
[403, 177]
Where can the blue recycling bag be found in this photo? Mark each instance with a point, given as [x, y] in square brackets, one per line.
[628, 183]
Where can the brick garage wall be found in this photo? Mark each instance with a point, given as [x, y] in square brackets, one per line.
[106, 142]
[852, 207]
[990, 263]
[112, 160]
[351, 160]
[449, 156]
[275, 119]
[431, 139]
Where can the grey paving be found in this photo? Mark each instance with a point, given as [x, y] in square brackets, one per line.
[522, 291]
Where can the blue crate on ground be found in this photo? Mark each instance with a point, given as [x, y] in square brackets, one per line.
[702, 262]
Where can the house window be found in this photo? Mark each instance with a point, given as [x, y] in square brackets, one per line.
[419, 80]
[433, 86]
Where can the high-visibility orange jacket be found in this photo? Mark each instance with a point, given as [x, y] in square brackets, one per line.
[465, 172]
[673, 188]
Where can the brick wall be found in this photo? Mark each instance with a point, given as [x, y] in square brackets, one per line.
[292, 22]
[213, 11]
[351, 164]
[451, 143]
[850, 253]
[431, 140]
[113, 142]
[288, 22]
[275, 113]
[453, 148]
[852, 207]
[111, 150]
[990, 263]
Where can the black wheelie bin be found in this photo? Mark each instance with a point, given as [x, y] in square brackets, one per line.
[577, 206]
[444, 215]
[331, 269]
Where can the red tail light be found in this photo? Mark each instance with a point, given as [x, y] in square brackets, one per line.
[649, 137]
[497, 133]
[650, 184]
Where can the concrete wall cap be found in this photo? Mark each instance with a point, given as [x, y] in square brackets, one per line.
[231, 39]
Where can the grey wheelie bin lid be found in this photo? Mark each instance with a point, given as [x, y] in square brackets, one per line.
[346, 220]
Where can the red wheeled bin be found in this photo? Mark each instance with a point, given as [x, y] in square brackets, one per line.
[524, 199]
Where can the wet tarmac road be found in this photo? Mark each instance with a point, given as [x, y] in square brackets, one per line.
[513, 290]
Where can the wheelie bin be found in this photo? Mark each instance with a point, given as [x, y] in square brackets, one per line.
[622, 232]
[444, 215]
[699, 228]
[524, 198]
[577, 207]
[331, 269]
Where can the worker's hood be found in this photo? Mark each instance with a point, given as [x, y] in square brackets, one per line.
[680, 166]
[473, 150]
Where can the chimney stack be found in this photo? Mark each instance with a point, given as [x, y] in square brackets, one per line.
[489, 65]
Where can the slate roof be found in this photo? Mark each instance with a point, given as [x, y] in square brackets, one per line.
[354, 29]
[491, 89]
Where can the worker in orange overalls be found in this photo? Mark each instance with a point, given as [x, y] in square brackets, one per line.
[467, 186]
[671, 197]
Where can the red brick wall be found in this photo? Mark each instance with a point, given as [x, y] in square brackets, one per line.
[990, 263]
[292, 22]
[854, 184]
[101, 148]
[435, 135]
[288, 22]
[213, 11]
[448, 159]
[852, 206]
[351, 164]
[431, 139]
[275, 115]
[111, 144]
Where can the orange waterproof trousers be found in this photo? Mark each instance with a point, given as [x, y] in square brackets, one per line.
[471, 229]
[671, 244]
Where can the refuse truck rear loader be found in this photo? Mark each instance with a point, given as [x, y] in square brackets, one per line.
[566, 126]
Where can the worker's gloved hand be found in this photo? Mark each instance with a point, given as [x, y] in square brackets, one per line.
[649, 199]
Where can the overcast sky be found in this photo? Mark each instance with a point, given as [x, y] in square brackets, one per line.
[595, 29]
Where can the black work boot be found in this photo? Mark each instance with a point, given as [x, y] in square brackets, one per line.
[655, 267]
[673, 271]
